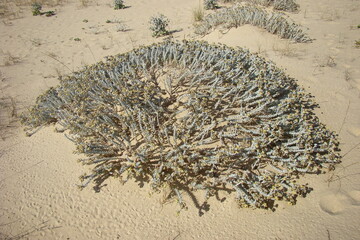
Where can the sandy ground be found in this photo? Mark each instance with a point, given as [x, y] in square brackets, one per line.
[39, 198]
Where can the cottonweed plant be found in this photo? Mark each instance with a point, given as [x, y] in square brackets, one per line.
[189, 115]
[273, 22]
[158, 25]
[210, 4]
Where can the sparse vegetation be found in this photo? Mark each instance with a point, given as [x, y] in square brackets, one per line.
[158, 25]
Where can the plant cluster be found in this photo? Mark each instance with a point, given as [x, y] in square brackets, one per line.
[210, 4]
[238, 15]
[119, 4]
[158, 25]
[191, 116]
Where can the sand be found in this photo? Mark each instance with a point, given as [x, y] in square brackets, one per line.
[39, 175]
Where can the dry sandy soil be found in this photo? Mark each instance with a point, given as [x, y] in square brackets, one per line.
[39, 197]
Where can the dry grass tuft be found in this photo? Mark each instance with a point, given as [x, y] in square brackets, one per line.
[198, 14]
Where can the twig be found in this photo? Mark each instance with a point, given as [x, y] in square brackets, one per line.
[342, 124]
[49, 55]
[351, 149]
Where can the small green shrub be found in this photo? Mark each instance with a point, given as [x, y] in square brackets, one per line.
[119, 4]
[158, 25]
[36, 7]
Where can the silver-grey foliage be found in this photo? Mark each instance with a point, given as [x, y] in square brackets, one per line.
[158, 25]
[282, 5]
[191, 116]
[210, 4]
[238, 15]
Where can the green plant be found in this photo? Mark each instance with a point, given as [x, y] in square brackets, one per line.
[77, 39]
[191, 116]
[36, 7]
[119, 4]
[158, 25]
[210, 4]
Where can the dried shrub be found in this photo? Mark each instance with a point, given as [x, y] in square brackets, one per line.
[238, 15]
[191, 116]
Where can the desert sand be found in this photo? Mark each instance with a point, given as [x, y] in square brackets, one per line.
[39, 175]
